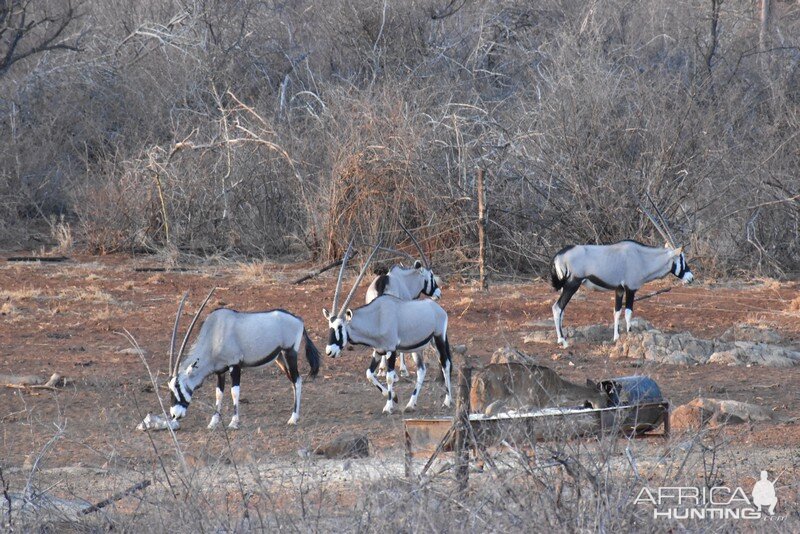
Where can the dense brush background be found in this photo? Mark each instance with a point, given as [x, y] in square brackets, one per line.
[277, 129]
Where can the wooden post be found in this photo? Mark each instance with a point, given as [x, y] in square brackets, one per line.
[462, 427]
[481, 187]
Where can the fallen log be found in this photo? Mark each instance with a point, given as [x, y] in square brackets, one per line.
[114, 498]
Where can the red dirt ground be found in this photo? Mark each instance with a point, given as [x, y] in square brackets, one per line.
[67, 318]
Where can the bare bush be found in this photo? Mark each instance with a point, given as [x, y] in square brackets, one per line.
[307, 128]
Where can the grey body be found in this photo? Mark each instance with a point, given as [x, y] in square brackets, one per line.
[405, 283]
[389, 325]
[623, 267]
[230, 340]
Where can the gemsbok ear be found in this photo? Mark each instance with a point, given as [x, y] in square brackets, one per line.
[418, 264]
[348, 314]
[326, 314]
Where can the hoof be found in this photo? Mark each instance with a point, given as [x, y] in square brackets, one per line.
[410, 407]
[389, 408]
[447, 401]
[292, 420]
[404, 372]
[214, 423]
[234, 424]
[563, 342]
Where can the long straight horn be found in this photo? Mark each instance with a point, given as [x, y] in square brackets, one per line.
[341, 274]
[189, 331]
[663, 223]
[358, 280]
[416, 244]
[656, 224]
[175, 333]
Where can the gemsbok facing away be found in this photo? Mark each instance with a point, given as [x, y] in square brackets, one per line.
[227, 342]
[406, 283]
[388, 325]
[623, 267]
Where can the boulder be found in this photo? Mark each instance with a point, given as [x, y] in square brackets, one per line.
[748, 353]
[512, 355]
[751, 333]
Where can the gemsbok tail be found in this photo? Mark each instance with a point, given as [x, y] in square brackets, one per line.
[558, 270]
[312, 355]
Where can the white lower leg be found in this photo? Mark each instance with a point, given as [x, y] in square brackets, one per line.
[298, 388]
[403, 368]
[372, 378]
[628, 316]
[412, 402]
[391, 404]
[234, 424]
[617, 313]
[558, 314]
[448, 399]
[216, 417]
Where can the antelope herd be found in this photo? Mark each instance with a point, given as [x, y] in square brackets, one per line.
[396, 318]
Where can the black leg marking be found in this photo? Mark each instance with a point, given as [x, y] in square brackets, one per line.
[618, 294]
[374, 365]
[630, 294]
[570, 288]
[236, 378]
[390, 364]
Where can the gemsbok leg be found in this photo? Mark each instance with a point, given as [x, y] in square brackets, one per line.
[618, 293]
[567, 292]
[288, 364]
[420, 363]
[376, 360]
[630, 295]
[391, 378]
[219, 395]
[236, 377]
[443, 348]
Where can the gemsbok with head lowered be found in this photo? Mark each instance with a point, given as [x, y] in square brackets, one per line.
[229, 341]
[389, 325]
[623, 267]
[406, 283]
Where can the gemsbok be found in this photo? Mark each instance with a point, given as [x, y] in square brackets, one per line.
[388, 325]
[229, 341]
[406, 283]
[623, 267]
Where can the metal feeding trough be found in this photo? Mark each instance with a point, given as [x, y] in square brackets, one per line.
[635, 407]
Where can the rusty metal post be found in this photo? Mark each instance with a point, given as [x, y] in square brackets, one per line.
[461, 444]
[481, 186]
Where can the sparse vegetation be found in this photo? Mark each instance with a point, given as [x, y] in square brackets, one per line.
[267, 129]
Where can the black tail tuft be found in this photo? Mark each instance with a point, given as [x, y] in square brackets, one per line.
[312, 355]
[557, 281]
[380, 285]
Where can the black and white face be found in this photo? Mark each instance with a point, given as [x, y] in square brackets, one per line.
[337, 333]
[681, 269]
[429, 285]
[180, 397]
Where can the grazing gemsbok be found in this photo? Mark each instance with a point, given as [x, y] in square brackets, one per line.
[623, 267]
[406, 283]
[388, 325]
[230, 340]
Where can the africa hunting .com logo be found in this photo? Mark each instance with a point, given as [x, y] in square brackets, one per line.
[717, 502]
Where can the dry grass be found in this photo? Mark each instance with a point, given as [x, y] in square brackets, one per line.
[20, 294]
